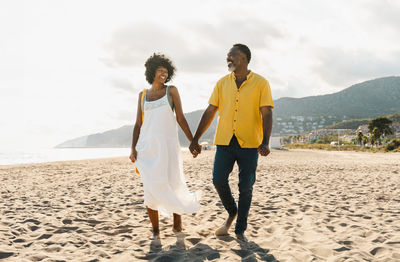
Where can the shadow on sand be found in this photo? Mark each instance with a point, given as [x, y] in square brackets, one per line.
[178, 252]
[250, 251]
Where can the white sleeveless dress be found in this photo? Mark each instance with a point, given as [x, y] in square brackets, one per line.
[159, 162]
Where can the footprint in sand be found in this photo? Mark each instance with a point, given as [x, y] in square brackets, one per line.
[67, 221]
[378, 251]
[97, 242]
[4, 254]
[36, 222]
[331, 228]
[19, 240]
[45, 236]
[65, 230]
[194, 240]
[38, 257]
[341, 249]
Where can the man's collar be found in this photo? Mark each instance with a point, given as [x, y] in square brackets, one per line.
[249, 75]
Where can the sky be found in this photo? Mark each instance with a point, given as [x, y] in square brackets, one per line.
[73, 68]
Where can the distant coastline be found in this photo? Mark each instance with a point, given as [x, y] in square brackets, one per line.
[20, 157]
[292, 116]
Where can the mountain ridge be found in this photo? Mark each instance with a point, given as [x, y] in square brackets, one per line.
[345, 102]
[369, 99]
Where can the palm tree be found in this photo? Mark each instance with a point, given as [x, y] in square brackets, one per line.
[360, 138]
[364, 140]
[372, 139]
[375, 136]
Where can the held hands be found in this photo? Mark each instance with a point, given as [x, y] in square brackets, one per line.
[263, 150]
[133, 156]
[195, 148]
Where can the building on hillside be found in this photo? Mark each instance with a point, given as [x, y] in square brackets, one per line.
[344, 134]
[325, 131]
[363, 129]
[396, 129]
[347, 138]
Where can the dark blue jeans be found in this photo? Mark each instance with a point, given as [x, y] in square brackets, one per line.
[225, 158]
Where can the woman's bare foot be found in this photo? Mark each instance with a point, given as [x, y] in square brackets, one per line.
[223, 231]
[156, 234]
[153, 215]
[177, 223]
[177, 229]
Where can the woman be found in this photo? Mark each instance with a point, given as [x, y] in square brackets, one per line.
[155, 146]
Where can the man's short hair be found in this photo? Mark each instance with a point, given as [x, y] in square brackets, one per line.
[243, 48]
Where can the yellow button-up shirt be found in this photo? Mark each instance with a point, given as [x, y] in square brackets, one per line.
[239, 109]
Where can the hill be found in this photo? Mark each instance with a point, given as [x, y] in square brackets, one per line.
[359, 103]
[354, 123]
[395, 117]
[369, 99]
[122, 137]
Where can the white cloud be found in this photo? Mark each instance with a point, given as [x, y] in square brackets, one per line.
[71, 68]
[342, 67]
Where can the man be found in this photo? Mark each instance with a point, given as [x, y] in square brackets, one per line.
[244, 104]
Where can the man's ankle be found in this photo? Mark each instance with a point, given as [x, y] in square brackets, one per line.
[241, 236]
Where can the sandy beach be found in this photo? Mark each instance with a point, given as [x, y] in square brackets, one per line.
[307, 206]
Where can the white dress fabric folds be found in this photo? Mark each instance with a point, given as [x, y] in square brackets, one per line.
[159, 162]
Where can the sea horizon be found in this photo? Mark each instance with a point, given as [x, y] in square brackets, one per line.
[44, 155]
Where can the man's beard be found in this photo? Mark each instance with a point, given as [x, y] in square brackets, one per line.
[231, 68]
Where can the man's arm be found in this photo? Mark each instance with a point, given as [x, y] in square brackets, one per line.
[205, 122]
[266, 112]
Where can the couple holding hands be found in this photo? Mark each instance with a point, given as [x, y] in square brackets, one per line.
[244, 104]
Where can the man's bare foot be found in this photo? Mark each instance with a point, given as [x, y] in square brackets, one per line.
[241, 237]
[223, 231]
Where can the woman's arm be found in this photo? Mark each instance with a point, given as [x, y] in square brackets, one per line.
[180, 117]
[136, 129]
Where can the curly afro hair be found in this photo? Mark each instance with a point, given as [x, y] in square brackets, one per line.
[154, 62]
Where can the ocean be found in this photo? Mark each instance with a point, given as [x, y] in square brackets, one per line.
[15, 157]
